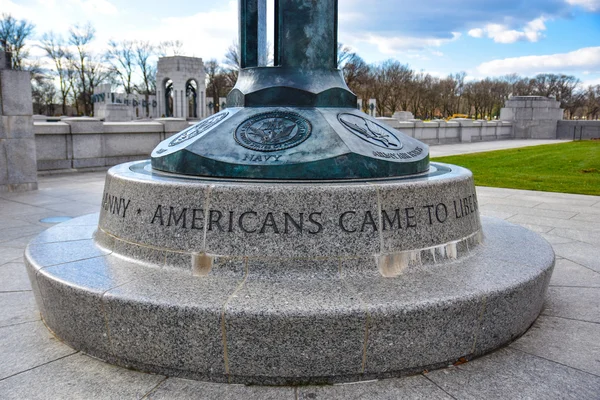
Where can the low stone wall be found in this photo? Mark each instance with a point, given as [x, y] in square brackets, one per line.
[578, 130]
[454, 131]
[84, 143]
[88, 143]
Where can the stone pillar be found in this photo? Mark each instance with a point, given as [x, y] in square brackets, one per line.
[533, 117]
[18, 162]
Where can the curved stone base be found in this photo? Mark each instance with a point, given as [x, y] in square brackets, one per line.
[329, 323]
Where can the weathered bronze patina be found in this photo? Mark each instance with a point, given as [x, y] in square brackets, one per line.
[296, 120]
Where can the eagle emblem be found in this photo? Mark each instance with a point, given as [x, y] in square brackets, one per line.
[273, 131]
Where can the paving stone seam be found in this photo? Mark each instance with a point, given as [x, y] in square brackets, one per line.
[12, 260]
[438, 386]
[552, 361]
[207, 198]
[379, 214]
[64, 241]
[105, 314]
[38, 366]
[20, 323]
[575, 287]
[223, 321]
[73, 261]
[479, 324]
[580, 264]
[14, 291]
[154, 389]
[352, 289]
[569, 319]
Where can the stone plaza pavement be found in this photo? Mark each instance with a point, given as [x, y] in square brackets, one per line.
[558, 358]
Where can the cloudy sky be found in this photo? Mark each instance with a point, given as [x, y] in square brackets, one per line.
[480, 37]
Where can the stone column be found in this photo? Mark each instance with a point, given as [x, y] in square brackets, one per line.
[18, 161]
[533, 117]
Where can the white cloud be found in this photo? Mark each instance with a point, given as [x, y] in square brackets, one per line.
[16, 10]
[206, 34]
[398, 44]
[592, 5]
[477, 33]
[93, 7]
[591, 82]
[575, 61]
[500, 33]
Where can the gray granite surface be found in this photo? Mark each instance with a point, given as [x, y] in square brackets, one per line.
[510, 374]
[152, 215]
[240, 321]
[557, 372]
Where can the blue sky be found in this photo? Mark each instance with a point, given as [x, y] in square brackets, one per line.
[482, 38]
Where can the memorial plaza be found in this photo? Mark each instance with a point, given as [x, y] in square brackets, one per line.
[558, 358]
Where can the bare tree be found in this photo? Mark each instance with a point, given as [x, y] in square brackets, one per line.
[356, 73]
[170, 48]
[592, 102]
[80, 38]
[44, 95]
[62, 59]
[121, 57]
[344, 55]
[96, 73]
[217, 82]
[13, 35]
[143, 52]
[232, 62]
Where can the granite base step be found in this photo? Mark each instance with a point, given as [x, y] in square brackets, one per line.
[324, 321]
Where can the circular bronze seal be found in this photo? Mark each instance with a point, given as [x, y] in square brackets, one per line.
[199, 128]
[273, 131]
[370, 132]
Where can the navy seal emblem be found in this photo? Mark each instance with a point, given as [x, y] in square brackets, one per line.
[370, 132]
[199, 128]
[273, 131]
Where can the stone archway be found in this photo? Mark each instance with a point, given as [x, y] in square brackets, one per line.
[168, 100]
[181, 87]
[191, 94]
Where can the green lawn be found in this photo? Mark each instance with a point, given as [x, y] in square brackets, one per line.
[572, 167]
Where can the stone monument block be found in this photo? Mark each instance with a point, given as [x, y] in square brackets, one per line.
[21, 163]
[16, 90]
[18, 166]
[403, 115]
[18, 127]
[533, 117]
[118, 113]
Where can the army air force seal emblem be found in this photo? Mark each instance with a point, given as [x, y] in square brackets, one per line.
[370, 132]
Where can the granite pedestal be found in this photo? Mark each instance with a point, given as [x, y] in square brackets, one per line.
[289, 239]
[288, 282]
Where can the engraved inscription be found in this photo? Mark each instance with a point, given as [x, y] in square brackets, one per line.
[305, 222]
[273, 131]
[399, 156]
[261, 159]
[199, 128]
[370, 132]
[115, 205]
